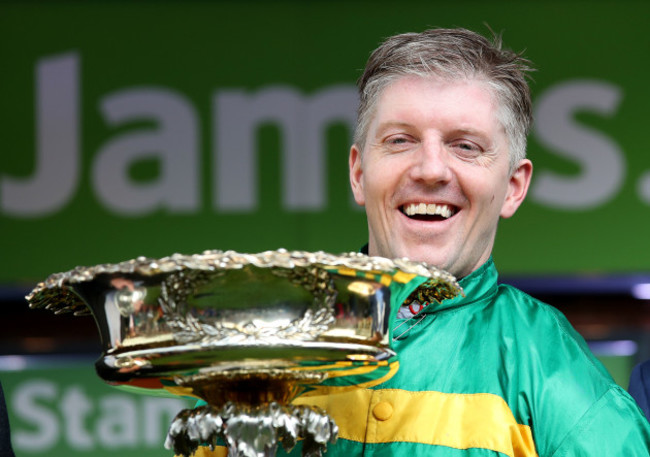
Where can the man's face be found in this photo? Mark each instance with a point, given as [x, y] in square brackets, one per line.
[434, 173]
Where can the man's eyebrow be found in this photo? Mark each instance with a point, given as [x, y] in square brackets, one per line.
[392, 124]
[470, 131]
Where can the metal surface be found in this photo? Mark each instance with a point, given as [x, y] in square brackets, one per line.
[253, 331]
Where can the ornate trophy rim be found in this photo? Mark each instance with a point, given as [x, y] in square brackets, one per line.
[55, 295]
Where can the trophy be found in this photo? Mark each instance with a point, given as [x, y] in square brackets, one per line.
[247, 334]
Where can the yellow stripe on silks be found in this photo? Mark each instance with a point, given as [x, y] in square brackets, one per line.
[181, 391]
[344, 368]
[375, 275]
[320, 389]
[393, 367]
[459, 421]
[340, 364]
[344, 271]
[385, 280]
[402, 277]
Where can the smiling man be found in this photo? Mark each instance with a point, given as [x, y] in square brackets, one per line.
[434, 172]
[439, 158]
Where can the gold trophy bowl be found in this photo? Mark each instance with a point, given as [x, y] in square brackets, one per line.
[247, 334]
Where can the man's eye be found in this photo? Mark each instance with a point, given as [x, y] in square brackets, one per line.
[399, 142]
[467, 147]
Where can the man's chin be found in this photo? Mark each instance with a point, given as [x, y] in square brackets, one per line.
[414, 253]
[420, 255]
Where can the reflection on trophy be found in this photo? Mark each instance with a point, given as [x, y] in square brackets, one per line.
[247, 334]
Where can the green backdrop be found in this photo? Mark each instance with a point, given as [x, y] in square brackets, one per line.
[62, 408]
[148, 128]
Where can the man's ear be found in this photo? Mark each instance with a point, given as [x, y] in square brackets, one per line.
[356, 175]
[517, 188]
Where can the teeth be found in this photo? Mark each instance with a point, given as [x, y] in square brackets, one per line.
[430, 210]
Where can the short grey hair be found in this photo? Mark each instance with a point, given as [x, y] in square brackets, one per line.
[451, 54]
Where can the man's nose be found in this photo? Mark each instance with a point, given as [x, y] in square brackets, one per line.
[431, 163]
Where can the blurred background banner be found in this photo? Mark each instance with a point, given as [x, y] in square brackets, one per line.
[148, 128]
[59, 407]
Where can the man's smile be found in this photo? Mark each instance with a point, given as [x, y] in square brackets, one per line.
[428, 211]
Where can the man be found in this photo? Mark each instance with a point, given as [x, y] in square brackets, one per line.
[438, 159]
